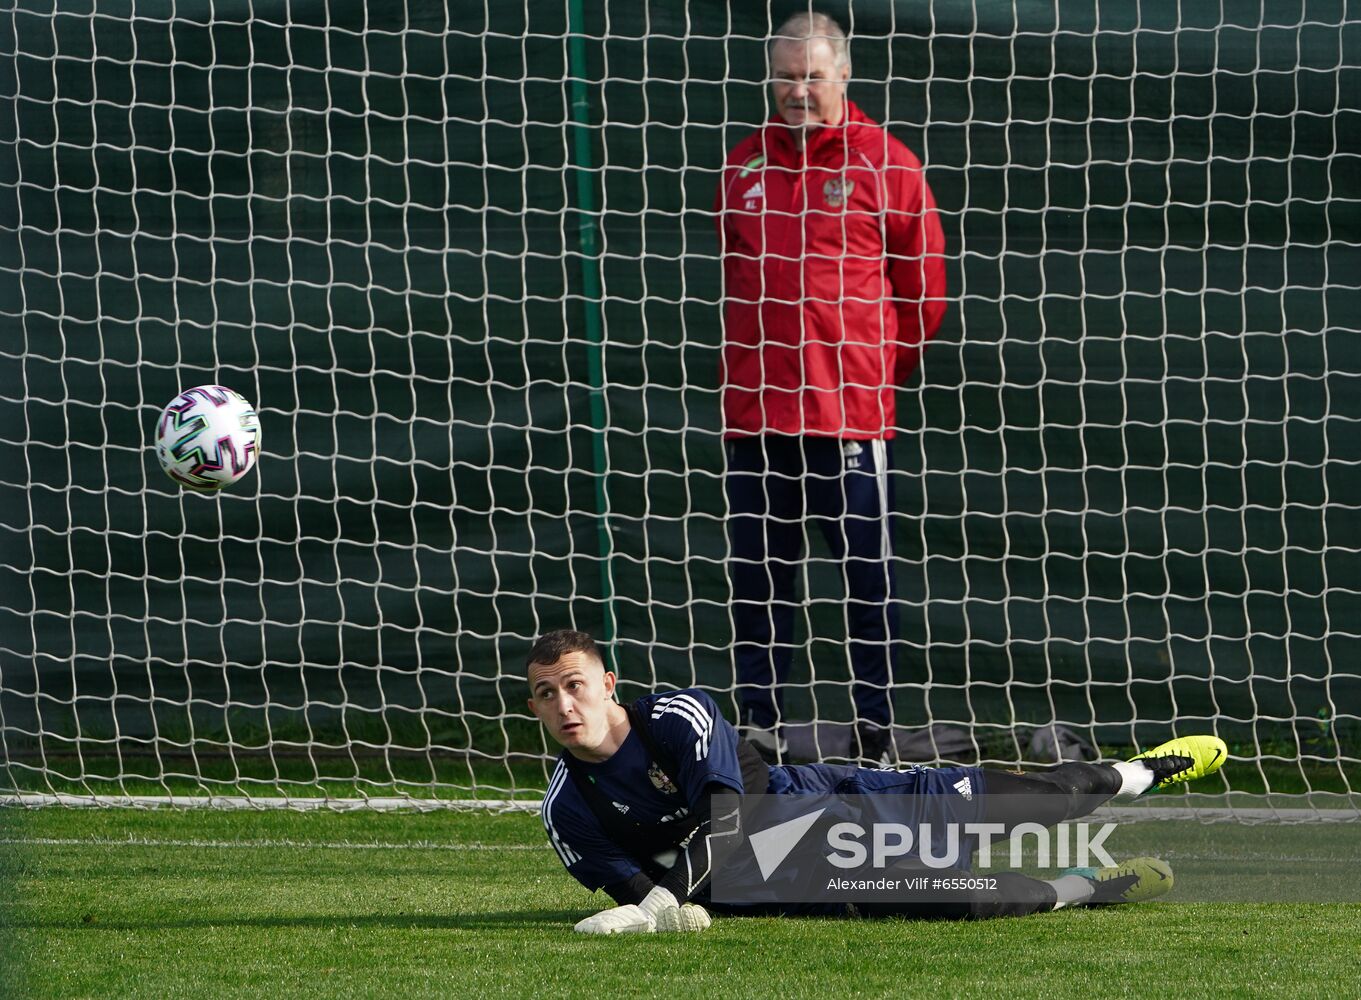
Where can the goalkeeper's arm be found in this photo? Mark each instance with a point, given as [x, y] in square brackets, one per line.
[645, 906]
[693, 866]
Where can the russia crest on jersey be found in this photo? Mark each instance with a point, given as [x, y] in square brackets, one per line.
[836, 191]
[660, 779]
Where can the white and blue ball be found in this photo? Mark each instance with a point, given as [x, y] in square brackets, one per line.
[208, 438]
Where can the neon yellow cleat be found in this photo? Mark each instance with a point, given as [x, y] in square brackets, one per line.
[1184, 759]
[1136, 881]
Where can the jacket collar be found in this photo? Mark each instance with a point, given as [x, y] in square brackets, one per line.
[822, 140]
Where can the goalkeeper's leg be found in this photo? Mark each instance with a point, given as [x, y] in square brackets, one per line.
[1011, 894]
[1068, 791]
[1047, 797]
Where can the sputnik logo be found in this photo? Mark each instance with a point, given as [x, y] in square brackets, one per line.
[773, 845]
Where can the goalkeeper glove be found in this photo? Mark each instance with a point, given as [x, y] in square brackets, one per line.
[657, 912]
[628, 919]
[686, 917]
[668, 915]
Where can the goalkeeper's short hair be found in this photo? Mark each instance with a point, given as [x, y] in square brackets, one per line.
[553, 646]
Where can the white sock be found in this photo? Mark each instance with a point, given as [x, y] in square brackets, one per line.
[1072, 890]
[1135, 778]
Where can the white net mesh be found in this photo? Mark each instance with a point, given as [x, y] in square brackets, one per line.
[463, 259]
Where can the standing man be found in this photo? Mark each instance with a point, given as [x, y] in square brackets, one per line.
[834, 274]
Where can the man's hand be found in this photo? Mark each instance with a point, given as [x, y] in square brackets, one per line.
[689, 917]
[657, 912]
[628, 919]
[668, 915]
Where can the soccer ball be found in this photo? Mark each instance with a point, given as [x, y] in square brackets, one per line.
[207, 438]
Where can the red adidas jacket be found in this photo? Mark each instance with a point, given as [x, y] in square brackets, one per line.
[834, 274]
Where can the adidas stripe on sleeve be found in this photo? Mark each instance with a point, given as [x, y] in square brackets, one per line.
[703, 745]
[581, 845]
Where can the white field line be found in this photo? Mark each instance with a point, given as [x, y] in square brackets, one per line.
[35, 800]
[268, 844]
[1254, 815]
[426, 845]
[1124, 814]
[1246, 858]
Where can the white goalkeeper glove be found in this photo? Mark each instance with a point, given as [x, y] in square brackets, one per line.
[668, 915]
[657, 912]
[686, 917]
[628, 919]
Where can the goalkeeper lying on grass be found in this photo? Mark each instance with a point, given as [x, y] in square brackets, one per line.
[622, 821]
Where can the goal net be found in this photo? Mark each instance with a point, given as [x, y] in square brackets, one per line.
[462, 257]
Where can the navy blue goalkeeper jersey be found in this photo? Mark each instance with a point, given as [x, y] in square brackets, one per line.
[686, 725]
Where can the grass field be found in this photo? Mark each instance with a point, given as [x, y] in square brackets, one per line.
[177, 904]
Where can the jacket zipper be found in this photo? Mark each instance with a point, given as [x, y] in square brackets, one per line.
[795, 218]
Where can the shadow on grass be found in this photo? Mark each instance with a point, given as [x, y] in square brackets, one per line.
[503, 920]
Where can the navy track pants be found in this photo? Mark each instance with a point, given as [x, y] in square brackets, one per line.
[778, 487]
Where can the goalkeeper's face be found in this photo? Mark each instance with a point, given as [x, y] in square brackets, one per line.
[572, 699]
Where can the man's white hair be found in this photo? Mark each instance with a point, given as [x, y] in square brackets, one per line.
[812, 25]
